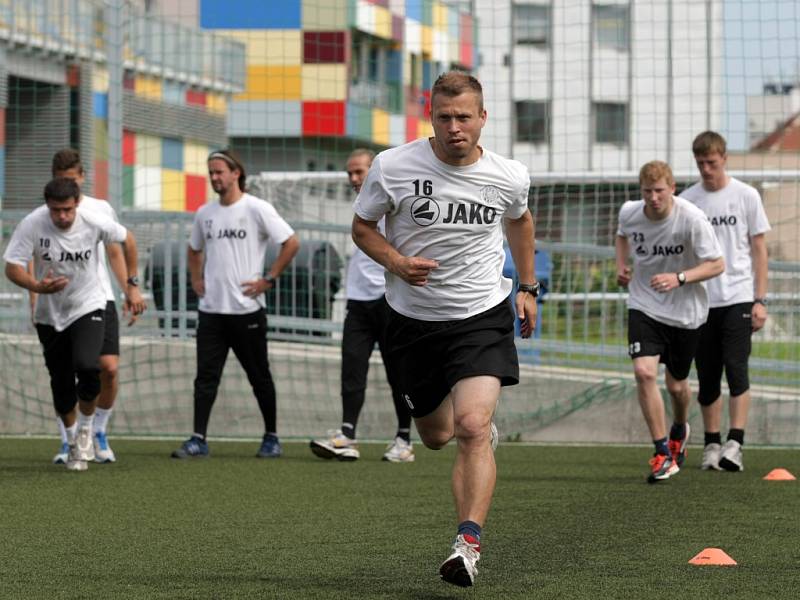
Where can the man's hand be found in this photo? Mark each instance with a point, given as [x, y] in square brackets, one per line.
[134, 304]
[526, 313]
[256, 287]
[624, 276]
[51, 285]
[664, 282]
[414, 270]
[758, 316]
[199, 287]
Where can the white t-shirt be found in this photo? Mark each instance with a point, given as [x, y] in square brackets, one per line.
[104, 208]
[72, 254]
[736, 214]
[366, 279]
[676, 243]
[450, 214]
[234, 239]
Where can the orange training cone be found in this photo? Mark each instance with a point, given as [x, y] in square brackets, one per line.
[779, 475]
[712, 556]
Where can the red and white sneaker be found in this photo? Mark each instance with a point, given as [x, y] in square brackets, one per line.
[459, 568]
[677, 448]
[662, 467]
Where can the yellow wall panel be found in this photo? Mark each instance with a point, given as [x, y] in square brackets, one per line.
[99, 80]
[148, 87]
[427, 40]
[328, 15]
[270, 46]
[216, 103]
[439, 16]
[324, 82]
[194, 158]
[148, 150]
[380, 127]
[383, 22]
[424, 129]
[273, 82]
[173, 190]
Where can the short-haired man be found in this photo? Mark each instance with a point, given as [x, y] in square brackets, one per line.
[738, 298]
[71, 305]
[226, 263]
[674, 250]
[67, 163]
[364, 324]
[451, 329]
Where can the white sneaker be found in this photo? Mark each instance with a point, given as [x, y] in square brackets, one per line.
[74, 461]
[102, 451]
[711, 455]
[731, 458]
[459, 568]
[83, 441]
[494, 436]
[399, 451]
[337, 445]
[63, 454]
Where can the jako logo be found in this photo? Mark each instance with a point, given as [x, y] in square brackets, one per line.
[425, 211]
[407, 398]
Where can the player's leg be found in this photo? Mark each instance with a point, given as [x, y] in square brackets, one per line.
[248, 338]
[58, 359]
[109, 385]
[647, 341]
[736, 334]
[709, 363]
[400, 450]
[678, 358]
[212, 350]
[86, 340]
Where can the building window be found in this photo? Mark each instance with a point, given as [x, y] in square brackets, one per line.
[532, 24]
[611, 25]
[533, 122]
[611, 123]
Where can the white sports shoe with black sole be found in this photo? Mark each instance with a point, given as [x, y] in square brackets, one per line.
[459, 568]
[731, 457]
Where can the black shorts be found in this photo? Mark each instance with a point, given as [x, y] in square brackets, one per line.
[724, 343]
[430, 357]
[674, 346]
[111, 336]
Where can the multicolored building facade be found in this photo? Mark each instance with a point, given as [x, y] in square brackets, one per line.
[324, 76]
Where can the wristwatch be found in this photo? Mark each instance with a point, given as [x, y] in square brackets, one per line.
[681, 278]
[269, 279]
[530, 288]
[133, 280]
[761, 301]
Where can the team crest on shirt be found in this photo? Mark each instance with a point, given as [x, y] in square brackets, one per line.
[490, 194]
[425, 211]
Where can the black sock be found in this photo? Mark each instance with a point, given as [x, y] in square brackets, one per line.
[661, 446]
[677, 431]
[404, 434]
[737, 435]
[470, 528]
[713, 437]
[349, 430]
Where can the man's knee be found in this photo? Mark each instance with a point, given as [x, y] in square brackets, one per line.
[473, 427]
[677, 387]
[109, 367]
[434, 439]
[644, 373]
[707, 396]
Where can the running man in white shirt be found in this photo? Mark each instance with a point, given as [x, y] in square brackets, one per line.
[70, 309]
[674, 250]
[364, 324]
[226, 262]
[451, 329]
[67, 163]
[738, 298]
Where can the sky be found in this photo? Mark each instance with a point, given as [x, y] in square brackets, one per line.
[761, 44]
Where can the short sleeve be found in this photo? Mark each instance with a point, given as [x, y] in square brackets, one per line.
[272, 225]
[704, 240]
[20, 247]
[519, 203]
[196, 239]
[757, 222]
[374, 200]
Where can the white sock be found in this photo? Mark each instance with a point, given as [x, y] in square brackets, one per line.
[85, 420]
[72, 431]
[62, 431]
[101, 417]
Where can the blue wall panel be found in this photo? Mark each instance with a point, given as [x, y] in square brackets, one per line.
[414, 10]
[100, 105]
[172, 154]
[251, 14]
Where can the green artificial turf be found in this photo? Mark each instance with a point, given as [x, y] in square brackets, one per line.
[567, 522]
